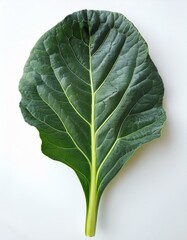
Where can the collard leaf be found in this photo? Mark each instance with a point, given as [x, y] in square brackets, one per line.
[95, 96]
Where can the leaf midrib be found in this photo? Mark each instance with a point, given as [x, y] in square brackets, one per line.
[93, 200]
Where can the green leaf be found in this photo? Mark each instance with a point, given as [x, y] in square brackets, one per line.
[95, 96]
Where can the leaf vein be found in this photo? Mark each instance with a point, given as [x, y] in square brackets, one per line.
[61, 55]
[108, 173]
[117, 138]
[66, 129]
[66, 162]
[78, 113]
[112, 67]
[76, 56]
[104, 40]
[43, 121]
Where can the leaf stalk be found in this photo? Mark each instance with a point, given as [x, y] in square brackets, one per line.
[91, 216]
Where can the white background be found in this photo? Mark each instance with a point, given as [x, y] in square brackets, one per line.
[41, 199]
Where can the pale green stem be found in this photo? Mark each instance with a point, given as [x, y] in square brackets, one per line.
[91, 215]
